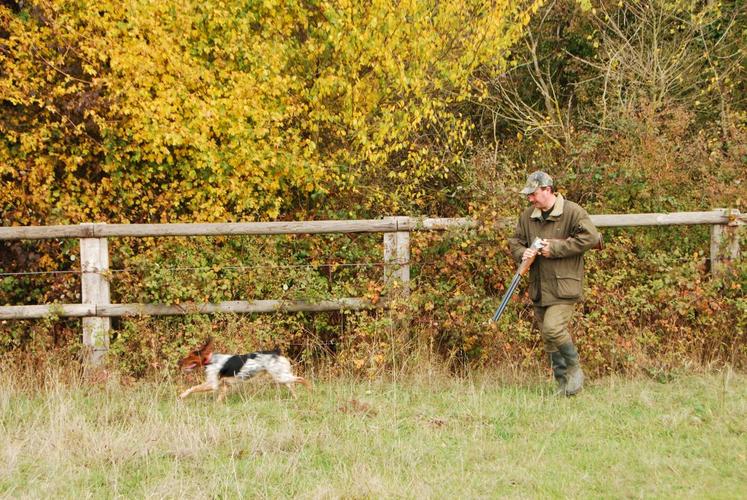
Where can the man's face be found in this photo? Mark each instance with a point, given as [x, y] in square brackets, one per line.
[542, 198]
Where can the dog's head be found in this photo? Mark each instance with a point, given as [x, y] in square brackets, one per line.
[199, 357]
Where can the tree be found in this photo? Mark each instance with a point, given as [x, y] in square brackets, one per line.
[159, 111]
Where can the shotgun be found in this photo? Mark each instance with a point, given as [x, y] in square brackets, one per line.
[523, 269]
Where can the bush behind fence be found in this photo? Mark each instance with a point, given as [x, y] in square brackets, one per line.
[648, 307]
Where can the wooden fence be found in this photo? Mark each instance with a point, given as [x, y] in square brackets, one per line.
[96, 310]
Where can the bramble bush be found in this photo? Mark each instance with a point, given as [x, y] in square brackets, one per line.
[197, 111]
[646, 309]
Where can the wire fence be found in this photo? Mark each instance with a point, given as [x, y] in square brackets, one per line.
[252, 267]
[354, 231]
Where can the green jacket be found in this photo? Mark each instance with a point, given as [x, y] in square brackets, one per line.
[557, 279]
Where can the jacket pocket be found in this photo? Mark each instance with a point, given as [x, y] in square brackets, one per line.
[569, 287]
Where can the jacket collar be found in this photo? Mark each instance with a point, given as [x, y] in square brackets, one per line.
[557, 209]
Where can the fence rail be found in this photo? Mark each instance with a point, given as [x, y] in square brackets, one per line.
[232, 306]
[96, 309]
[390, 224]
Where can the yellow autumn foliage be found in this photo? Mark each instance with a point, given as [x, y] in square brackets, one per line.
[208, 110]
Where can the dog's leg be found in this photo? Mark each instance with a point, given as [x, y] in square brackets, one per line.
[206, 387]
[226, 384]
[297, 380]
[306, 383]
[281, 372]
[289, 385]
[223, 392]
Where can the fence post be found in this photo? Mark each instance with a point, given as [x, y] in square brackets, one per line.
[725, 241]
[397, 257]
[94, 267]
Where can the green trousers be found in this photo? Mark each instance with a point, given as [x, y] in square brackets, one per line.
[552, 322]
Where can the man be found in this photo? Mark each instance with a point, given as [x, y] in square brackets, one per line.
[556, 276]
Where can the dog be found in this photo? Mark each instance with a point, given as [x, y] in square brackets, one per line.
[224, 370]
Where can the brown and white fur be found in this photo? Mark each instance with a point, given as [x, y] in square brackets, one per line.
[223, 370]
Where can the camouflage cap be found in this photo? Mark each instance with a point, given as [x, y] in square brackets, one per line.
[536, 180]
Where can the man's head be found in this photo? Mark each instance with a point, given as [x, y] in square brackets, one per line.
[538, 190]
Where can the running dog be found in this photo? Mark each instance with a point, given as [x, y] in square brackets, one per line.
[223, 370]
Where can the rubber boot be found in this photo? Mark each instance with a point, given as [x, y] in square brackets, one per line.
[559, 371]
[574, 374]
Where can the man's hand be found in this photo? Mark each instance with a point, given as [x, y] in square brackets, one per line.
[531, 252]
[545, 252]
[528, 253]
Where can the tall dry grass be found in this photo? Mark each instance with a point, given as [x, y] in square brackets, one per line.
[432, 435]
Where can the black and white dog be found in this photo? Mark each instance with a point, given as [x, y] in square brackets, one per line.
[223, 370]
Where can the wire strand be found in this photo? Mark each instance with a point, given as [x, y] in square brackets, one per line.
[242, 267]
[36, 273]
[200, 268]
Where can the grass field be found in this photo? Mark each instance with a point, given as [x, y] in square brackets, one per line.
[437, 437]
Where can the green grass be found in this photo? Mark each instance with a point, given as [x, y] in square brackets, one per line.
[437, 437]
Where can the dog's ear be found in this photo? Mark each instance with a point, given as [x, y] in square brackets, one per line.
[207, 345]
[206, 351]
